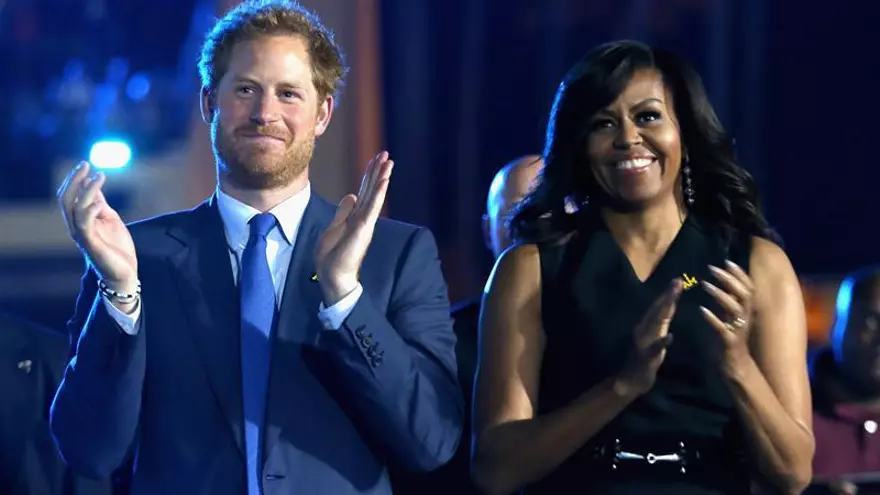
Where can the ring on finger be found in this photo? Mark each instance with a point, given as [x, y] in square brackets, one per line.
[737, 323]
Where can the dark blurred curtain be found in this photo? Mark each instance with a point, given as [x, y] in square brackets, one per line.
[469, 85]
[819, 136]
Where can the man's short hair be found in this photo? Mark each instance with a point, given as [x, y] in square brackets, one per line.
[254, 19]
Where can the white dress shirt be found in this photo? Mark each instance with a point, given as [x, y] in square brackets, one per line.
[279, 248]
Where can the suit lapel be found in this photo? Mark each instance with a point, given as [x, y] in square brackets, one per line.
[297, 320]
[207, 290]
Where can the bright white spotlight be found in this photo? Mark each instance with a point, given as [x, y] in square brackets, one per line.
[110, 154]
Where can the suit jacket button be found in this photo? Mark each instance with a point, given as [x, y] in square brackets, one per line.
[376, 361]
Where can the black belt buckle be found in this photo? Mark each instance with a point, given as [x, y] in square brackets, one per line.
[618, 455]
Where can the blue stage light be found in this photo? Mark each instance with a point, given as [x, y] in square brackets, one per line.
[110, 154]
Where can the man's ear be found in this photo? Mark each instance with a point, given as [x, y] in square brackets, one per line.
[325, 111]
[206, 105]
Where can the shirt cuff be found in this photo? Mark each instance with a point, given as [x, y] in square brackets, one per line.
[332, 317]
[128, 323]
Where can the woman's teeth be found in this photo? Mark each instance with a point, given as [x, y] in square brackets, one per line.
[633, 164]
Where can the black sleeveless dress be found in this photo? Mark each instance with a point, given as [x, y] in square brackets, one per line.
[591, 301]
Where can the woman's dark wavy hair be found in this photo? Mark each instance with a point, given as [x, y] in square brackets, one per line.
[726, 195]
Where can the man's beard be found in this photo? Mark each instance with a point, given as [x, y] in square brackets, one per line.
[256, 167]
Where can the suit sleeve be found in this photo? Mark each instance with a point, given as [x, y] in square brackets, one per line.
[94, 416]
[398, 369]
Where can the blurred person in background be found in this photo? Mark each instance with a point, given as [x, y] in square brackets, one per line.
[508, 187]
[845, 377]
[267, 341]
[580, 383]
[32, 360]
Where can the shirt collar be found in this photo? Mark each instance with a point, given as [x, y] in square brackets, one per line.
[236, 215]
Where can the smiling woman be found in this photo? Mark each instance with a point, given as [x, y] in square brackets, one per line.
[580, 381]
[634, 145]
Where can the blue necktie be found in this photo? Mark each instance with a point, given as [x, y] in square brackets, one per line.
[257, 316]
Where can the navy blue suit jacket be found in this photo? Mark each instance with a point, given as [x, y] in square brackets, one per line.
[342, 404]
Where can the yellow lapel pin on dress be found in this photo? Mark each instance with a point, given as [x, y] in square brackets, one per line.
[688, 281]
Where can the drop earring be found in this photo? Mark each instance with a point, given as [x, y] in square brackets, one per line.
[688, 184]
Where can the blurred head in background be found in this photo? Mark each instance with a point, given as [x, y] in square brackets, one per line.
[855, 338]
[510, 185]
[270, 74]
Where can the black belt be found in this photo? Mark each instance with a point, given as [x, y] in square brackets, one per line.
[667, 456]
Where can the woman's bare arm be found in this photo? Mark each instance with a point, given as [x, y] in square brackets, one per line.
[512, 446]
[771, 390]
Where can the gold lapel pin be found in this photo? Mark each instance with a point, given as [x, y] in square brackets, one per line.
[314, 277]
[688, 281]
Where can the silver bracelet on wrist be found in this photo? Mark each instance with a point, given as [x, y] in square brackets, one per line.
[123, 297]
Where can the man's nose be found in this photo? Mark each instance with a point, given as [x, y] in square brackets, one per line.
[265, 110]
